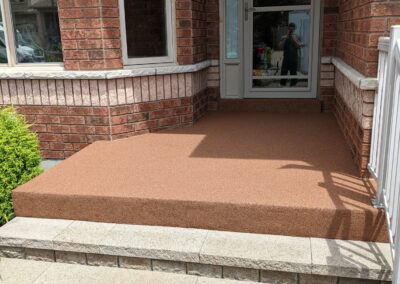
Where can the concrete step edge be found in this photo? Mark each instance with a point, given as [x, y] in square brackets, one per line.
[193, 251]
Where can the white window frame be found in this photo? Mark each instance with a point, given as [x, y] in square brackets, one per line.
[170, 30]
[10, 40]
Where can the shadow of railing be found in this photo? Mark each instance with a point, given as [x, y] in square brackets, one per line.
[314, 140]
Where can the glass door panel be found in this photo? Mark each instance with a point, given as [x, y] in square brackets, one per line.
[281, 49]
[272, 3]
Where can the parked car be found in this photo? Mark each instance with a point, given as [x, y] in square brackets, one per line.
[25, 53]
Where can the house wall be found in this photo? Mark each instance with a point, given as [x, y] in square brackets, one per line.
[359, 26]
[70, 114]
[91, 40]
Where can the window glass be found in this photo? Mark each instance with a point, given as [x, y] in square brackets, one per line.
[232, 29]
[265, 3]
[146, 32]
[3, 50]
[37, 32]
[281, 49]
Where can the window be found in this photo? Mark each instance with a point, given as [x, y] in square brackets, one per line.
[146, 31]
[31, 29]
[3, 49]
[232, 29]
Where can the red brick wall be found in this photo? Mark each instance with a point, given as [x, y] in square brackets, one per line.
[64, 130]
[329, 34]
[212, 8]
[360, 24]
[191, 31]
[90, 34]
[358, 139]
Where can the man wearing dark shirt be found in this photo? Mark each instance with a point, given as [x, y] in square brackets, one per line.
[290, 45]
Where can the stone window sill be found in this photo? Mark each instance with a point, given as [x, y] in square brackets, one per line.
[58, 72]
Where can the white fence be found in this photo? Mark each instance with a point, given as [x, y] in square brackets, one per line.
[385, 146]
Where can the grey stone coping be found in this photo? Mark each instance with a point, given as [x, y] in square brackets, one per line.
[20, 271]
[58, 72]
[326, 60]
[358, 79]
[353, 259]
[384, 43]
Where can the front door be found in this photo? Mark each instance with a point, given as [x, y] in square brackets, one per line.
[281, 46]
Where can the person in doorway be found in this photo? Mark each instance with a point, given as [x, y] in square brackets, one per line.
[290, 44]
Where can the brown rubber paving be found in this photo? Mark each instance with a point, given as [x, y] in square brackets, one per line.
[284, 174]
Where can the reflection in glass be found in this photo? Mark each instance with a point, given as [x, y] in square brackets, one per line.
[3, 50]
[146, 33]
[266, 3]
[232, 29]
[276, 83]
[281, 49]
[37, 32]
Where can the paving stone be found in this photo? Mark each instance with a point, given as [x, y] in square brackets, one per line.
[352, 259]
[357, 281]
[317, 279]
[102, 260]
[238, 273]
[277, 277]
[12, 252]
[40, 234]
[21, 271]
[70, 257]
[49, 163]
[169, 266]
[267, 252]
[39, 254]
[81, 236]
[135, 263]
[166, 243]
[206, 270]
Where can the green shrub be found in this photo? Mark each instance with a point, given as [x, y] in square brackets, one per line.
[19, 158]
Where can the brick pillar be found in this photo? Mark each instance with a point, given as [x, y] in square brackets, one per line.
[329, 35]
[191, 30]
[329, 39]
[90, 34]
[212, 29]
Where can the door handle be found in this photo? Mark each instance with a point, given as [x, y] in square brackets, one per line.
[247, 10]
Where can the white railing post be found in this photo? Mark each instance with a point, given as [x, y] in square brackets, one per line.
[387, 112]
[393, 176]
[373, 164]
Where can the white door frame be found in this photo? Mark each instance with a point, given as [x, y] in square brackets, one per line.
[233, 71]
[313, 76]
